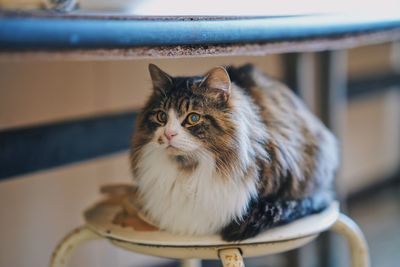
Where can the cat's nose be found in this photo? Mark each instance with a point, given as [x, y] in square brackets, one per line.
[170, 134]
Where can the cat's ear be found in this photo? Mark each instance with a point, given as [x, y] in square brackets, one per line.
[161, 80]
[217, 83]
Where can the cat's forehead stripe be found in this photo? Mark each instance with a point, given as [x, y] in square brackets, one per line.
[181, 97]
[162, 103]
[167, 103]
[188, 105]
[182, 105]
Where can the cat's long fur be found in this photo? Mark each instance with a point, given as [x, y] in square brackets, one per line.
[258, 159]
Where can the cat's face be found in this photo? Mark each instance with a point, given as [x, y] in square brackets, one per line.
[187, 115]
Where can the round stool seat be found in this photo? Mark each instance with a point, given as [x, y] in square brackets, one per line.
[141, 237]
[118, 219]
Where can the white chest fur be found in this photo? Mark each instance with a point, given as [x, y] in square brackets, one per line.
[198, 203]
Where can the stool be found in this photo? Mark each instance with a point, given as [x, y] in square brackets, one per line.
[138, 236]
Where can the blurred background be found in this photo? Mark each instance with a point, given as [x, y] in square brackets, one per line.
[49, 104]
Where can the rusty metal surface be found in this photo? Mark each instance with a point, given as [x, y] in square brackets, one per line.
[131, 36]
[187, 51]
[121, 16]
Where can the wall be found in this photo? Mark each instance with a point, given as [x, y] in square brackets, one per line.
[39, 208]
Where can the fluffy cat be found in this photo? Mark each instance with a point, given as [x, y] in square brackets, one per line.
[233, 152]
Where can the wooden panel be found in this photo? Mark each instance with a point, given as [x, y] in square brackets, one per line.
[46, 91]
[41, 92]
[371, 140]
[369, 59]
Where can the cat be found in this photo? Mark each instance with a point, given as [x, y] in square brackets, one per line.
[233, 152]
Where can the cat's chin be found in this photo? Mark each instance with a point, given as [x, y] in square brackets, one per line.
[174, 151]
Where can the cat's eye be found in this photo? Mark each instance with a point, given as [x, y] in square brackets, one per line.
[193, 118]
[162, 116]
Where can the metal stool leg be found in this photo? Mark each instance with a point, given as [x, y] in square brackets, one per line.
[191, 263]
[231, 257]
[347, 228]
[64, 249]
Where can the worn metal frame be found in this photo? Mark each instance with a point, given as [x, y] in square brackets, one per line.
[230, 254]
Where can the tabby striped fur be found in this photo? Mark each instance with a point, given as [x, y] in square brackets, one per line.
[258, 158]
